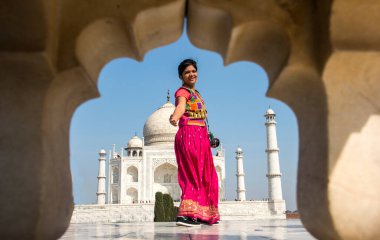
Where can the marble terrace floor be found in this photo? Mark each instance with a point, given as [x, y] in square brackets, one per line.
[239, 230]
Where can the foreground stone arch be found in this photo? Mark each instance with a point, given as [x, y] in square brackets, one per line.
[322, 59]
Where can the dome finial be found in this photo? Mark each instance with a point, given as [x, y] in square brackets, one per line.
[134, 142]
[239, 150]
[168, 96]
[269, 112]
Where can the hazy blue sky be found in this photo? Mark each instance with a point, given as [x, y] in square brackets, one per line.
[235, 97]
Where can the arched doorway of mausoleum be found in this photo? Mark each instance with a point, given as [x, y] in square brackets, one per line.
[166, 180]
[132, 174]
[132, 195]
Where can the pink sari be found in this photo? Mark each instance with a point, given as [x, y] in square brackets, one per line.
[196, 174]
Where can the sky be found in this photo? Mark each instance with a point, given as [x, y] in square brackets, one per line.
[235, 97]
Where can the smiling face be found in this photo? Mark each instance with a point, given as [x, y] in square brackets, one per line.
[189, 76]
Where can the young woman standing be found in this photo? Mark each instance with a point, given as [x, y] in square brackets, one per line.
[196, 171]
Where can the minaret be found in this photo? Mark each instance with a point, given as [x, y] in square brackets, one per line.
[101, 194]
[274, 174]
[114, 153]
[240, 175]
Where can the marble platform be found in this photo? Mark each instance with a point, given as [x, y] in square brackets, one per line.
[239, 230]
[144, 212]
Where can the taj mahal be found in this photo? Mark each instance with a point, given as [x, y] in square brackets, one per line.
[148, 165]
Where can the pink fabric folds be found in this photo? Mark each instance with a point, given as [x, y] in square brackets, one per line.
[196, 174]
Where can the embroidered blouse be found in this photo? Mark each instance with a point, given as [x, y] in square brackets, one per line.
[195, 111]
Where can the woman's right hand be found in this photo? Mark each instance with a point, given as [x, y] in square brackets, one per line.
[173, 121]
[178, 111]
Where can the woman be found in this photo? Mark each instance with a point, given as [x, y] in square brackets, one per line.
[196, 171]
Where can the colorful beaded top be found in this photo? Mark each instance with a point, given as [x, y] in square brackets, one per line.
[195, 111]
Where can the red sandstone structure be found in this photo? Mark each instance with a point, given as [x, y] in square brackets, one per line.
[322, 58]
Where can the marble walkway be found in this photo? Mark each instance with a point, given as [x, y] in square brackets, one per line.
[257, 229]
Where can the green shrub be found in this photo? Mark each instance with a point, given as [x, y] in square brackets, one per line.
[164, 209]
[159, 213]
[168, 207]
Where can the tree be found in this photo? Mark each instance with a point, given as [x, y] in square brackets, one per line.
[159, 213]
[168, 207]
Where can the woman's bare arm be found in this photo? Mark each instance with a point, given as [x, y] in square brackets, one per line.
[178, 111]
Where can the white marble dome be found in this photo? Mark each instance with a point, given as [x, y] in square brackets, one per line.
[270, 112]
[157, 129]
[239, 150]
[135, 142]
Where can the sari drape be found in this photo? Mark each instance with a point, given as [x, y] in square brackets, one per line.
[196, 174]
